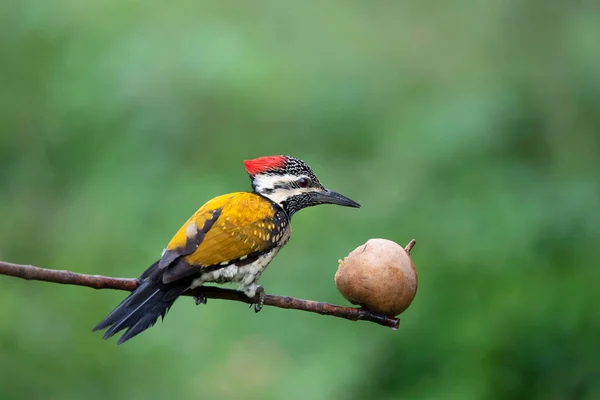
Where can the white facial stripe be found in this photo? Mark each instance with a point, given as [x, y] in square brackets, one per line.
[280, 195]
[265, 182]
[262, 182]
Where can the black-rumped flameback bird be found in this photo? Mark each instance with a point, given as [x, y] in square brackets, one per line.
[231, 238]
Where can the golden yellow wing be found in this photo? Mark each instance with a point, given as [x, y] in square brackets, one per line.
[224, 230]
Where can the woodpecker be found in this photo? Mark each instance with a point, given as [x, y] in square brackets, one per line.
[231, 238]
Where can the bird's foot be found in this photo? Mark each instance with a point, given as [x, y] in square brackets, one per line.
[200, 299]
[261, 299]
[253, 290]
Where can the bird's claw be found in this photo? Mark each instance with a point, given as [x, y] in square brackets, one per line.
[201, 299]
[261, 299]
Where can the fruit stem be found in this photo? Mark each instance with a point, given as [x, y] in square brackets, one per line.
[410, 245]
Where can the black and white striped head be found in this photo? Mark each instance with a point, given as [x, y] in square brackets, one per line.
[290, 182]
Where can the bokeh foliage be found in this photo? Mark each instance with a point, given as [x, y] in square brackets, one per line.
[470, 126]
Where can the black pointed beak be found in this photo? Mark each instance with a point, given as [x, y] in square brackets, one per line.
[331, 197]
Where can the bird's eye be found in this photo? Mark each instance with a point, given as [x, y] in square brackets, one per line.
[304, 182]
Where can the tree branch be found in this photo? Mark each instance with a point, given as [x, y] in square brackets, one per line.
[29, 272]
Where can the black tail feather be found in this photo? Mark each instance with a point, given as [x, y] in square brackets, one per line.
[141, 309]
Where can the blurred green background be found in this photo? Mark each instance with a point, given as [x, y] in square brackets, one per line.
[470, 126]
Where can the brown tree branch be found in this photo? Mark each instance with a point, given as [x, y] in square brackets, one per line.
[29, 272]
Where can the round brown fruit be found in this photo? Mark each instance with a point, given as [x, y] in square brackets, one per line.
[379, 276]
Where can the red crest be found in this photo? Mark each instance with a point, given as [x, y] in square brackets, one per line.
[262, 164]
